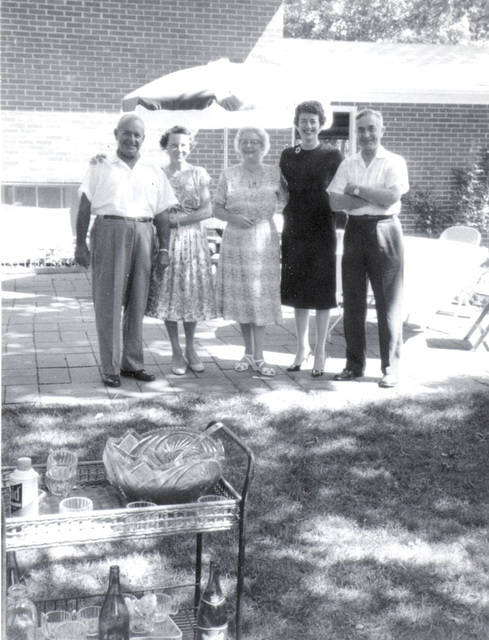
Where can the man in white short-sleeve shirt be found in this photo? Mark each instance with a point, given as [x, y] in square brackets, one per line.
[368, 187]
[130, 198]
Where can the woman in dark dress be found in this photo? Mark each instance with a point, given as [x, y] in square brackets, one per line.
[309, 233]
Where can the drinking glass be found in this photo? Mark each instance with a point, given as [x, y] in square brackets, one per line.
[89, 617]
[61, 469]
[141, 612]
[51, 620]
[140, 520]
[164, 606]
[73, 630]
[75, 505]
[210, 514]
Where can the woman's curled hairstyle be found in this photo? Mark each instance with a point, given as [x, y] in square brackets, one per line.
[176, 129]
[310, 106]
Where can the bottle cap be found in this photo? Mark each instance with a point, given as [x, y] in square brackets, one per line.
[24, 464]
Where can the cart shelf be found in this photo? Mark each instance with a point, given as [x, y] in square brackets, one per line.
[110, 520]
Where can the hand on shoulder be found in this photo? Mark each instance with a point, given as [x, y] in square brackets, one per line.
[98, 159]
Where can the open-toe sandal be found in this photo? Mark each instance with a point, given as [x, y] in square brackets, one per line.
[244, 364]
[262, 367]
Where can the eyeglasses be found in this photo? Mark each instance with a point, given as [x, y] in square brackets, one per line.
[253, 143]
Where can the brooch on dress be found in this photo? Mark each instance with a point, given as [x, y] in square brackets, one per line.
[298, 149]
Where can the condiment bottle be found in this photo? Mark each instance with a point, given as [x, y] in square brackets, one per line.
[24, 489]
[113, 622]
[21, 614]
[212, 621]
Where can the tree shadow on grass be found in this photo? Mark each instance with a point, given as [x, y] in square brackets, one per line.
[400, 487]
[366, 523]
[418, 463]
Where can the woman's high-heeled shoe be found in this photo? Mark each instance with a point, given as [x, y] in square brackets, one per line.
[297, 367]
[196, 364]
[317, 373]
[178, 369]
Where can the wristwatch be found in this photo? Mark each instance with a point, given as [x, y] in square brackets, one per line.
[356, 191]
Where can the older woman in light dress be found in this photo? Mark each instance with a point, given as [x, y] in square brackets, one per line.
[248, 272]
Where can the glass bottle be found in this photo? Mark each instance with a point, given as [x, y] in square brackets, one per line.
[212, 621]
[12, 569]
[114, 616]
[21, 614]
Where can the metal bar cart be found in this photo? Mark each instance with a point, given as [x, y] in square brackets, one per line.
[110, 521]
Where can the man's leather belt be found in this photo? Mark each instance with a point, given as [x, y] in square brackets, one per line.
[127, 218]
[350, 217]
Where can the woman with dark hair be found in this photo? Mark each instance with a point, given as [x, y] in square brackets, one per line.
[248, 272]
[185, 292]
[309, 233]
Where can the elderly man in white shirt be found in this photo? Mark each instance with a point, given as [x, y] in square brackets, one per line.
[368, 187]
[130, 198]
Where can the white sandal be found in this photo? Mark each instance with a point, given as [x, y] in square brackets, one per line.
[262, 367]
[244, 364]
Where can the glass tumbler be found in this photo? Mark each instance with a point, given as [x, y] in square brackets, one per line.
[140, 520]
[61, 467]
[141, 612]
[75, 505]
[51, 620]
[212, 511]
[73, 630]
[89, 617]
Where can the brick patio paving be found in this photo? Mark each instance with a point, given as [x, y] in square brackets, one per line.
[50, 352]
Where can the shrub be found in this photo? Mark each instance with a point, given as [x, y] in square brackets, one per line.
[430, 218]
[471, 188]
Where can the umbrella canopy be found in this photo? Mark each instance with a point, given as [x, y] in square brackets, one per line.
[224, 95]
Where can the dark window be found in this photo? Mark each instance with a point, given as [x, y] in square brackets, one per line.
[25, 196]
[52, 196]
[340, 129]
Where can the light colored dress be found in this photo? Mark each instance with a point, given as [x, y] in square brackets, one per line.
[248, 272]
[186, 292]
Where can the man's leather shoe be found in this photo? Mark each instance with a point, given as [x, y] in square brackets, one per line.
[141, 375]
[112, 381]
[347, 374]
[388, 381]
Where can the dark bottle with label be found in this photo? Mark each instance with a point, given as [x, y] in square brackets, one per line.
[114, 616]
[212, 620]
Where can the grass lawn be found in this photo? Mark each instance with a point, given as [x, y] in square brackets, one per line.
[365, 523]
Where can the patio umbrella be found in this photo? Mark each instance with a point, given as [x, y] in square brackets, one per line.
[224, 95]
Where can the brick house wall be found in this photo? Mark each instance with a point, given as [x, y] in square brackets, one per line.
[66, 64]
[86, 55]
